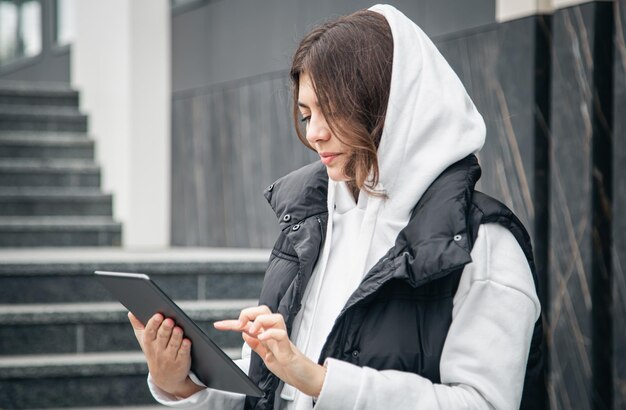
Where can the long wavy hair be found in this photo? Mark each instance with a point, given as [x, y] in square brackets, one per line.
[349, 61]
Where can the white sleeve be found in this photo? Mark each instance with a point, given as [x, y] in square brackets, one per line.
[206, 398]
[483, 362]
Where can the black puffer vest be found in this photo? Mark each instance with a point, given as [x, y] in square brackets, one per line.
[399, 316]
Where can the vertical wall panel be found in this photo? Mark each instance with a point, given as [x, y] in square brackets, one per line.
[619, 208]
[579, 331]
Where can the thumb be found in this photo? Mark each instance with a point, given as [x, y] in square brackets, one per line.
[137, 325]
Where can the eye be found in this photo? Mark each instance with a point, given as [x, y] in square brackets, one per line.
[306, 120]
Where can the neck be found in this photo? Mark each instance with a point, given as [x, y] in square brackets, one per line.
[354, 190]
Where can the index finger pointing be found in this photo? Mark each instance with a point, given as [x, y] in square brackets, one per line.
[246, 317]
[228, 325]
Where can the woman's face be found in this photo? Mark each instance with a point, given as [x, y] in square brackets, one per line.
[333, 153]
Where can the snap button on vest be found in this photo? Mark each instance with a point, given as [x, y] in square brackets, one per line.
[295, 227]
[287, 218]
[457, 238]
[355, 354]
[269, 188]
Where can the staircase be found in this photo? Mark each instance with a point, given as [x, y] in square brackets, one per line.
[64, 343]
[49, 182]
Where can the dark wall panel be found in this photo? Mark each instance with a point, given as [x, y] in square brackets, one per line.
[579, 209]
[619, 216]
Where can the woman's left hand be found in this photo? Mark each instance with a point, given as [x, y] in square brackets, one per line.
[266, 333]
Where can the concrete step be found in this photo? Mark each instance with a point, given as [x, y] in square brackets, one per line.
[37, 93]
[54, 202]
[60, 275]
[40, 145]
[16, 134]
[48, 173]
[40, 118]
[82, 380]
[98, 327]
[60, 231]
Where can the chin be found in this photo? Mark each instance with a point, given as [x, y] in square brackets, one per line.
[336, 174]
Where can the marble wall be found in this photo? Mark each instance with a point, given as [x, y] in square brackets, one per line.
[580, 206]
[619, 201]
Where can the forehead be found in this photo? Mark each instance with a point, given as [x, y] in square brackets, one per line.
[306, 94]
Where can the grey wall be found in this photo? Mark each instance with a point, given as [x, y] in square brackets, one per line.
[53, 64]
[232, 133]
[236, 39]
[228, 143]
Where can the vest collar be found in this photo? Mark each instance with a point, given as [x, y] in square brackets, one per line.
[436, 240]
[299, 194]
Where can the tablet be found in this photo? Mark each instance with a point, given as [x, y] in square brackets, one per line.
[139, 294]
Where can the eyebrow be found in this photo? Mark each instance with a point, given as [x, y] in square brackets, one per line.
[303, 105]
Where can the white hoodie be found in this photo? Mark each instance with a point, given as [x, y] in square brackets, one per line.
[431, 123]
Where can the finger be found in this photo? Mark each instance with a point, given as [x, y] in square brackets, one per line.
[278, 335]
[231, 325]
[249, 314]
[245, 318]
[185, 350]
[136, 324]
[267, 322]
[164, 333]
[152, 326]
[175, 341]
[255, 344]
[277, 342]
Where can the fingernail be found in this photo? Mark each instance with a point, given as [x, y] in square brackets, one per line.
[185, 344]
[158, 318]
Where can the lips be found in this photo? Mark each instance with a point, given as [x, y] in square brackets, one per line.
[328, 157]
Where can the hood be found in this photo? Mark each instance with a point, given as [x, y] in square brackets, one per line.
[430, 124]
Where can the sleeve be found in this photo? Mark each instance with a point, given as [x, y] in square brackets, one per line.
[484, 357]
[207, 398]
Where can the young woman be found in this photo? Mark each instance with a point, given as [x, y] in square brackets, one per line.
[393, 284]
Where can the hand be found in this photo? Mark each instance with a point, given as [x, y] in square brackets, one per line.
[167, 354]
[266, 333]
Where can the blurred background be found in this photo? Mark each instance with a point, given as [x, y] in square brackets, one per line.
[139, 136]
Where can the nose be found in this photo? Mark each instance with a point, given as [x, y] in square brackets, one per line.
[317, 130]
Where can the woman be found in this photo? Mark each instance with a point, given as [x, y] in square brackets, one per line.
[393, 284]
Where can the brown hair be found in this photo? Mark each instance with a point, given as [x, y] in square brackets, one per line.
[349, 62]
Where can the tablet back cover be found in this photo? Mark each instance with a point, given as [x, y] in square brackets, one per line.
[139, 294]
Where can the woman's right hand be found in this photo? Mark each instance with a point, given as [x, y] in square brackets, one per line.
[167, 353]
